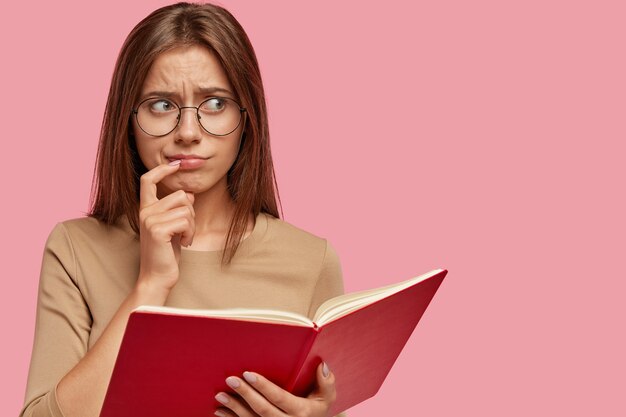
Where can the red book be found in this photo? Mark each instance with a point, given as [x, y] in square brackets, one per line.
[173, 361]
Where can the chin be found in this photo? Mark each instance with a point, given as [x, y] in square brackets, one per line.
[188, 185]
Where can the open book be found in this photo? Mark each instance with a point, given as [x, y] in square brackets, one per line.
[172, 361]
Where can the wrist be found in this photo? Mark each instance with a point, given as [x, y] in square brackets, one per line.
[148, 293]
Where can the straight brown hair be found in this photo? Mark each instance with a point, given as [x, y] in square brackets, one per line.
[251, 179]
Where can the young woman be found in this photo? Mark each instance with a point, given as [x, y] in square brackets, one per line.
[184, 214]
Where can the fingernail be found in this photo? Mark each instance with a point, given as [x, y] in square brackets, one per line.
[176, 162]
[220, 413]
[250, 377]
[325, 370]
[232, 382]
[221, 398]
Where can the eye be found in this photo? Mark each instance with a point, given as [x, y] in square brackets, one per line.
[162, 105]
[214, 105]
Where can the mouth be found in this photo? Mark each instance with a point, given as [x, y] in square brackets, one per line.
[188, 161]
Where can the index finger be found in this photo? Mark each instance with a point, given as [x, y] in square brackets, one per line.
[259, 390]
[149, 180]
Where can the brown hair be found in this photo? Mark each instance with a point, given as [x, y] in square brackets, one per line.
[251, 179]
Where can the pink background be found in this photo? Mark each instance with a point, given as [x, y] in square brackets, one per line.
[484, 137]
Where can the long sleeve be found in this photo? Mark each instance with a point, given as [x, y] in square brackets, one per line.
[62, 327]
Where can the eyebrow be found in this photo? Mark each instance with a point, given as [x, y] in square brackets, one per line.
[202, 90]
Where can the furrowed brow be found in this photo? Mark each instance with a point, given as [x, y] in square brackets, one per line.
[199, 91]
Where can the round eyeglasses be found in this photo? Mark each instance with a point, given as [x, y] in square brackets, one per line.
[219, 116]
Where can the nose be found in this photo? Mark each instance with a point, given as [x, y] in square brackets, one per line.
[188, 129]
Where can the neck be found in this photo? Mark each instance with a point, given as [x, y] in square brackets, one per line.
[214, 209]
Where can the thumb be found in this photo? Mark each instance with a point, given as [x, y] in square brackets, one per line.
[325, 384]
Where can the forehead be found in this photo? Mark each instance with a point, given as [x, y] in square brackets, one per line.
[184, 70]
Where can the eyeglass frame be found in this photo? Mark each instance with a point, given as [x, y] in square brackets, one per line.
[179, 117]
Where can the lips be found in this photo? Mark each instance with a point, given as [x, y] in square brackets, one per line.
[184, 156]
[188, 161]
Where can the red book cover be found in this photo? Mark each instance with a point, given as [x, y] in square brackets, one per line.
[172, 364]
[361, 347]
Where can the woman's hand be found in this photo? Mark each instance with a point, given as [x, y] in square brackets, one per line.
[165, 225]
[257, 396]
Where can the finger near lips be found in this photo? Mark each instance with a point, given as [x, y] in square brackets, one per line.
[175, 199]
[168, 217]
[149, 180]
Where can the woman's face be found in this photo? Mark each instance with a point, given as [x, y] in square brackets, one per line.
[179, 76]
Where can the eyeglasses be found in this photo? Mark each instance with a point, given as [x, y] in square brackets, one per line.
[158, 116]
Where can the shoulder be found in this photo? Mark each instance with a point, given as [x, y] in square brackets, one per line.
[300, 242]
[89, 231]
[289, 233]
[90, 224]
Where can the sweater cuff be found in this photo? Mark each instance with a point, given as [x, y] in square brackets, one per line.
[53, 403]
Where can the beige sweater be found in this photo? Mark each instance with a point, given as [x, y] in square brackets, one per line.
[89, 268]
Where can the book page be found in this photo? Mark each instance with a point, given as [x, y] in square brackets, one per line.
[344, 304]
[248, 314]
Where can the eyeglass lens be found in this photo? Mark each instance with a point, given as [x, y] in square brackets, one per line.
[159, 116]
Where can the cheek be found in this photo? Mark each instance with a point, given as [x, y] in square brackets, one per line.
[236, 142]
[233, 149]
[149, 152]
[143, 146]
